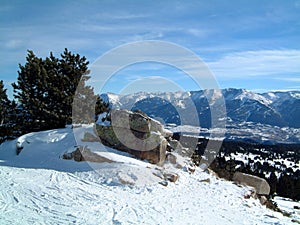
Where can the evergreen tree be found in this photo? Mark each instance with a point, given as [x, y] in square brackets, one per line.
[4, 104]
[273, 182]
[6, 126]
[15, 118]
[84, 103]
[100, 107]
[286, 186]
[72, 69]
[46, 87]
[30, 90]
[297, 188]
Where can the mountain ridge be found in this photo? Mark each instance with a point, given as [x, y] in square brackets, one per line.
[241, 104]
[272, 115]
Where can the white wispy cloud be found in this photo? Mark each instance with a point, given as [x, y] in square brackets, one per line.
[291, 79]
[257, 63]
[200, 33]
[122, 15]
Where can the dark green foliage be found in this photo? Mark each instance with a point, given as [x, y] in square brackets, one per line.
[101, 106]
[4, 104]
[273, 182]
[297, 186]
[45, 90]
[31, 92]
[86, 105]
[286, 186]
[5, 111]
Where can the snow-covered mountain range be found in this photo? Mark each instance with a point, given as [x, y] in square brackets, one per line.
[273, 115]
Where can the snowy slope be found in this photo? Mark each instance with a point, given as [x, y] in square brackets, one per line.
[287, 104]
[38, 187]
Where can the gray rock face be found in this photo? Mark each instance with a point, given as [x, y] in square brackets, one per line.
[261, 185]
[84, 154]
[130, 120]
[136, 134]
[138, 122]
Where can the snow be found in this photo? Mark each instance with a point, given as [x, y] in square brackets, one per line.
[289, 206]
[212, 95]
[279, 97]
[246, 95]
[113, 98]
[257, 158]
[39, 187]
[102, 119]
[295, 95]
[243, 131]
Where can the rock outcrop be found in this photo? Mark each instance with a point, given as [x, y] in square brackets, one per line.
[84, 154]
[137, 134]
[261, 185]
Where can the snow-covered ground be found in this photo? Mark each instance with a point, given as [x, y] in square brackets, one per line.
[39, 187]
[289, 206]
[244, 131]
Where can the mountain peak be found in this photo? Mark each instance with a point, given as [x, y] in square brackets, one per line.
[243, 107]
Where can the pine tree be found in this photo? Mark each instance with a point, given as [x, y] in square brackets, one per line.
[5, 110]
[100, 107]
[297, 188]
[286, 186]
[30, 90]
[273, 182]
[15, 118]
[86, 105]
[46, 88]
[4, 103]
[73, 68]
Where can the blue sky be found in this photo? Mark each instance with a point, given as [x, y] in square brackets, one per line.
[246, 44]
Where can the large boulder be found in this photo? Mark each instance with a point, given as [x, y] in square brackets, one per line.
[118, 138]
[158, 154]
[137, 134]
[261, 185]
[84, 154]
[130, 120]
[137, 121]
